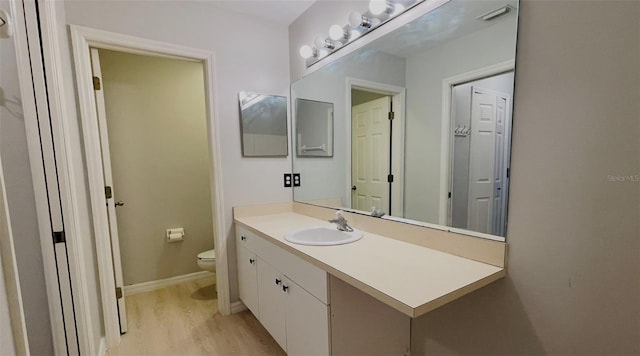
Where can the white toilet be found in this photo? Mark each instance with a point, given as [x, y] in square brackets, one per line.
[207, 260]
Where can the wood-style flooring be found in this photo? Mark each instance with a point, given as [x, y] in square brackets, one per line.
[184, 320]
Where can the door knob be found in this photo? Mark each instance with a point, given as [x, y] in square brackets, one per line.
[119, 203]
[353, 188]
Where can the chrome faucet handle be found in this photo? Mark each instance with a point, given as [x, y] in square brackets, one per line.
[341, 221]
[376, 213]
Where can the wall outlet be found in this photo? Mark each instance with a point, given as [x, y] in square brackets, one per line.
[287, 180]
[296, 179]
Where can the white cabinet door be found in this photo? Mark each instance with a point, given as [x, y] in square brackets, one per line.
[248, 279]
[271, 302]
[307, 322]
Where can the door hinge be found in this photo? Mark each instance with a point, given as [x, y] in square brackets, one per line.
[118, 292]
[58, 237]
[96, 83]
[449, 194]
[392, 115]
[390, 178]
[108, 193]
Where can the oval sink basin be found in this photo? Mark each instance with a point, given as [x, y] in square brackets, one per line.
[322, 236]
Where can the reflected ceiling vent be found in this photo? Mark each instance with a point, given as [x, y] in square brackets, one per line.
[493, 14]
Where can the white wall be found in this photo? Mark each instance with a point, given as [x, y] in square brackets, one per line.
[157, 126]
[324, 177]
[425, 72]
[21, 201]
[573, 284]
[251, 55]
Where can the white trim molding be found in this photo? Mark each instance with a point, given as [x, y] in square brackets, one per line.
[162, 283]
[82, 39]
[446, 144]
[237, 307]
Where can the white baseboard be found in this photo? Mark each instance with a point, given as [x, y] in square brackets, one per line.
[161, 283]
[102, 349]
[237, 307]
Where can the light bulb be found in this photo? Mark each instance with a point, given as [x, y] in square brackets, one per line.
[307, 52]
[378, 7]
[356, 20]
[398, 9]
[337, 33]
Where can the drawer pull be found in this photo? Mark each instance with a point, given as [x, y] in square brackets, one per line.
[243, 238]
[251, 260]
[278, 281]
[285, 287]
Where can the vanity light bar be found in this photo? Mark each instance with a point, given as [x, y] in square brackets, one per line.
[380, 11]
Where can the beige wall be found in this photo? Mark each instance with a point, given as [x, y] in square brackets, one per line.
[156, 118]
[573, 286]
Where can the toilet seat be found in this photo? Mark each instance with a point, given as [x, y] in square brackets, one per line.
[207, 255]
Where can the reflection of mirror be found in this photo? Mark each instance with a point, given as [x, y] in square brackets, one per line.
[444, 157]
[314, 128]
[264, 124]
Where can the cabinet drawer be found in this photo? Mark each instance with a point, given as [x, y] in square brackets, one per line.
[308, 276]
[245, 238]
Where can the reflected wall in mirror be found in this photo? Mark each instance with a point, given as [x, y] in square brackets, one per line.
[442, 157]
[263, 120]
[314, 128]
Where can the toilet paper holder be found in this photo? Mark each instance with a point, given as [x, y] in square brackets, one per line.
[175, 234]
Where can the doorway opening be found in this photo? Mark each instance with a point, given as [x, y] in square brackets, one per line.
[480, 135]
[376, 164]
[141, 159]
[152, 121]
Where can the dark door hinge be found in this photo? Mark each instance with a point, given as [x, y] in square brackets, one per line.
[118, 292]
[58, 237]
[108, 192]
[392, 115]
[390, 178]
[96, 83]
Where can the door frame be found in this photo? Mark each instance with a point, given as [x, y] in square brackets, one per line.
[398, 95]
[446, 144]
[82, 38]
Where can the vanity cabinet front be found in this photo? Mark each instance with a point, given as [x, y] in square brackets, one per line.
[291, 295]
[248, 278]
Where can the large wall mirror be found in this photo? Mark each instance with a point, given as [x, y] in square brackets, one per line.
[442, 158]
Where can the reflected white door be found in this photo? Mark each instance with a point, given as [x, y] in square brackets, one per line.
[110, 198]
[481, 160]
[370, 154]
[487, 161]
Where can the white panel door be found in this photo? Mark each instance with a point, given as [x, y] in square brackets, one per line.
[481, 160]
[248, 279]
[370, 155]
[499, 173]
[272, 302]
[307, 331]
[108, 181]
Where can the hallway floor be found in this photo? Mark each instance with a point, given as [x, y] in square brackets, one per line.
[184, 320]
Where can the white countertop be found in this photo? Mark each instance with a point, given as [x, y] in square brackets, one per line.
[410, 278]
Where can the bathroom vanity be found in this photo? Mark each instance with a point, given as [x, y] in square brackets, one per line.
[360, 297]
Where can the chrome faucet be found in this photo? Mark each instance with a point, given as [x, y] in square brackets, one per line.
[341, 222]
[376, 213]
